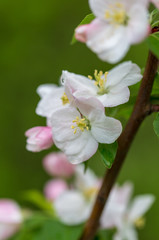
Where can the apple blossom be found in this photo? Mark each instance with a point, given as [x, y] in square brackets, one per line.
[118, 24]
[77, 131]
[39, 138]
[74, 206]
[110, 88]
[56, 164]
[54, 189]
[116, 206]
[123, 214]
[10, 218]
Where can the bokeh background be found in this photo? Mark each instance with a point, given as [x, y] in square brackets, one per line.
[35, 47]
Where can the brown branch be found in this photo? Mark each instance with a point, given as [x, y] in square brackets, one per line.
[141, 110]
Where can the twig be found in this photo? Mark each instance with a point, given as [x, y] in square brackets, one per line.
[154, 108]
[141, 110]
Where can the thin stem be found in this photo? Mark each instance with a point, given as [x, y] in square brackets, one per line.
[138, 115]
[154, 108]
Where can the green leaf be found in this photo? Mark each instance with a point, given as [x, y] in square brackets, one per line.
[86, 20]
[153, 43]
[105, 234]
[154, 18]
[108, 153]
[156, 125]
[53, 230]
[36, 198]
[43, 227]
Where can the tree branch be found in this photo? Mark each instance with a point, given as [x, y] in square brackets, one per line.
[138, 115]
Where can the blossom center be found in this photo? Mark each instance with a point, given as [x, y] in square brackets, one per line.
[116, 14]
[140, 222]
[64, 99]
[90, 192]
[81, 123]
[100, 81]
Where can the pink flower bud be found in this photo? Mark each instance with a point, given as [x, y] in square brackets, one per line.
[81, 33]
[10, 218]
[39, 138]
[54, 189]
[57, 164]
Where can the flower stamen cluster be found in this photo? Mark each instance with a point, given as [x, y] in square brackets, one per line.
[82, 124]
[100, 80]
[64, 99]
[117, 14]
[140, 222]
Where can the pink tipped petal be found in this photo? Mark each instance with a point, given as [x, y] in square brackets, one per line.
[54, 189]
[87, 106]
[56, 164]
[39, 138]
[81, 33]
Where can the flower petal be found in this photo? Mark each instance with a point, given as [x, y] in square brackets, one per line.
[61, 122]
[105, 129]
[99, 7]
[125, 74]
[78, 82]
[85, 180]
[138, 27]
[112, 98]
[127, 232]
[81, 149]
[139, 207]
[50, 101]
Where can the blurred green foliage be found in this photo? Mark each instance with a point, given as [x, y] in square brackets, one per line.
[34, 49]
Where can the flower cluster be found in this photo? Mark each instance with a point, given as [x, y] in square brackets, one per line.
[73, 200]
[75, 111]
[117, 25]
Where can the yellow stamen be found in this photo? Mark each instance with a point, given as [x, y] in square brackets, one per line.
[90, 192]
[64, 99]
[90, 77]
[81, 123]
[116, 14]
[140, 222]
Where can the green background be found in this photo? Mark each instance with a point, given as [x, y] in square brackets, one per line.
[35, 47]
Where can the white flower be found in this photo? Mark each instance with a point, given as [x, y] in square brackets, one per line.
[118, 24]
[125, 215]
[77, 131]
[52, 98]
[74, 206]
[111, 88]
